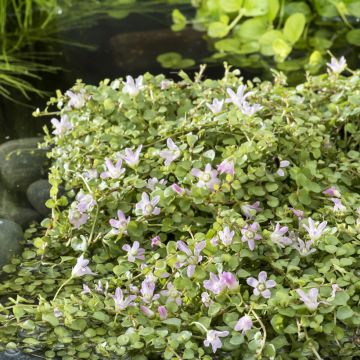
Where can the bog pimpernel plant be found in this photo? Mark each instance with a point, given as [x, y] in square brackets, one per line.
[202, 219]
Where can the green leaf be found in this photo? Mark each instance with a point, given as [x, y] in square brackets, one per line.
[173, 321]
[277, 323]
[51, 319]
[78, 324]
[344, 312]
[101, 316]
[231, 5]
[214, 308]
[251, 29]
[179, 20]
[281, 49]
[294, 27]
[237, 339]
[341, 298]
[353, 37]
[256, 7]
[274, 6]
[218, 29]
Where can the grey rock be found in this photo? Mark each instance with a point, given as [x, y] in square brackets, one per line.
[15, 208]
[10, 236]
[16, 355]
[24, 216]
[38, 193]
[21, 163]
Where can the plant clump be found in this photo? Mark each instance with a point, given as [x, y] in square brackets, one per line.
[202, 219]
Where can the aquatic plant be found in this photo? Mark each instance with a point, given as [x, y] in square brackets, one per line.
[200, 246]
[288, 35]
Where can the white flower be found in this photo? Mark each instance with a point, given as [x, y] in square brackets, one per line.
[314, 231]
[77, 100]
[146, 207]
[132, 158]
[337, 66]
[81, 268]
[171, 154]
[213, 339]
[62, 126]
[244, 324]
[226, 236]
[216, 106]
[133, 87]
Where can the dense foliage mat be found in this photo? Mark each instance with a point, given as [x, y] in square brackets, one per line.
[193, 227]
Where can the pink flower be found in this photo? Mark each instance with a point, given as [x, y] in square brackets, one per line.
[229, 280]
[120, 225]
[217, 284]
[86, 289]
[81, 268]
[179, 190]
[226, 236]
[207, 179]
[151, 183]
[206, 299]
[162, 312]
[85, 202]
[90, 174]
[214, 284]
[338, 206]
[147, 207]
[171, 154]
[261, 286]
[147, 311]
[332, 191]
[121, 303]
[310, 299]
[215, 106]
[132, 158]
[315, 232]
[77, 218]
[113, 171]
[134, 251]
[62, 126]
[147, 291]
[250, 234]
[244, 324]
[213, 339]
[172, 294]
[298, 213]
[304, 248]
[155, 241]
[227, 167]
[251, 210]
[278, 238]
[192, 258]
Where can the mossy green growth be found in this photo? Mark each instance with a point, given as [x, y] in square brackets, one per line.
[183, 232]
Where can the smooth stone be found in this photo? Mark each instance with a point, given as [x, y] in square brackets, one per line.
[24, 216]
[10, 236]
[21, 163]
[16, 209]
[38, 193]
[16, 355]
